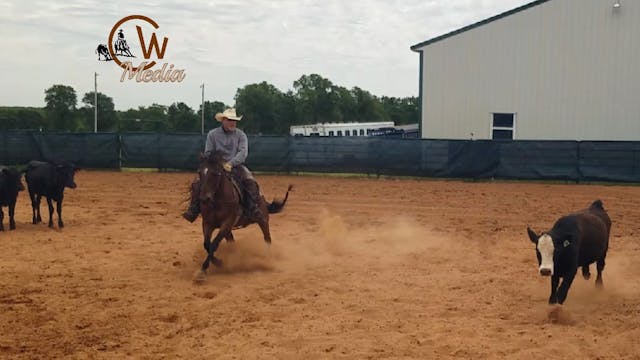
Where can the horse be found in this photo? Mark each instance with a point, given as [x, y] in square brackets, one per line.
[122, 48]
[221, 206]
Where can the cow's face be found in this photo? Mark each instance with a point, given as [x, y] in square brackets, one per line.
[66, 173]
[546, 251]
[13, 179]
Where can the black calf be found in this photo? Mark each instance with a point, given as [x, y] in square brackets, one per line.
[575, 240]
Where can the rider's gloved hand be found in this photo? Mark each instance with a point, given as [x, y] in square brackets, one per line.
[227, 167]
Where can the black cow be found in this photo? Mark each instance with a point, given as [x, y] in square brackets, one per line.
[575, 240]
[103, 50]
[10, 185]
[49, 180]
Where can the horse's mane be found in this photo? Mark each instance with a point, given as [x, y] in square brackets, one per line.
[214, 158]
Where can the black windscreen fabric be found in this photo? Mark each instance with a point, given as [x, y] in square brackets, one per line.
[397, 156]
[477, 159]
[610, 161]
[86, 150]
[473, 159]
[18, 148]
[544, 160]
[269, 153]
[161, 151]
[329, 154]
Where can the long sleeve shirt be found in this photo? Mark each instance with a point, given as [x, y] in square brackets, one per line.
[233, 145]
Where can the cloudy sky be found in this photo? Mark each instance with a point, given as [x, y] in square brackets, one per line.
[225, 44]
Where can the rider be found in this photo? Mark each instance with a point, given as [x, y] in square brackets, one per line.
[233, 144]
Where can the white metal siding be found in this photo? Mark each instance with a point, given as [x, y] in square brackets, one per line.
[568, 69]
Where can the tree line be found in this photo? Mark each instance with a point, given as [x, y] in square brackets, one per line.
[266, 109]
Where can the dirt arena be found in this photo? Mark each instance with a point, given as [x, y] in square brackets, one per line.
[358, 269]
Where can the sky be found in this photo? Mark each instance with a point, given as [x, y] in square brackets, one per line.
[224, 45]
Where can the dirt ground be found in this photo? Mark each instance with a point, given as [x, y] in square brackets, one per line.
[358, 269]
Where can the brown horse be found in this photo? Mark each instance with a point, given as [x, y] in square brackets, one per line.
[221, 206]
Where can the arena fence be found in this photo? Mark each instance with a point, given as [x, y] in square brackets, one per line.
[474, 159]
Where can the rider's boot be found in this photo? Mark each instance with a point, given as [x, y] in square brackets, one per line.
[253, 198]
[194, 204]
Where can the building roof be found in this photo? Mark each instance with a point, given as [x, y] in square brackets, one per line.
[479, 23]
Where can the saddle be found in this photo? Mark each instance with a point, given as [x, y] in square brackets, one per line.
[238, 188]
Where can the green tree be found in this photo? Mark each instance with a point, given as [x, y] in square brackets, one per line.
[288, 113]
[315, 99]
[401, 110]
[368, 107]
[153, 118]
[129, 120]
[210, 110]
[266, 109]
[12, 118]
[107, 116]
[60, 107]
[180, 117]
[346, 105]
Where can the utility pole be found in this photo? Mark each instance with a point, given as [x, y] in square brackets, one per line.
[202, 111]
[95, 102]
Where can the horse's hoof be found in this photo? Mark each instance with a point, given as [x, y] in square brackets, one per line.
[217, 262]
[199, 277]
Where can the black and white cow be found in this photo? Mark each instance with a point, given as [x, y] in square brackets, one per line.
[49, 180]
[10, 185]
[575, 240]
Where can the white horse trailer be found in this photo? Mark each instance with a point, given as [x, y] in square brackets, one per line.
[339, 129]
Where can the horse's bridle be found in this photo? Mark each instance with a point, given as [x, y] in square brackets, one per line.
[207, 171]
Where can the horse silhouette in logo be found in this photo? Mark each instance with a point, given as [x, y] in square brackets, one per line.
[121, 46]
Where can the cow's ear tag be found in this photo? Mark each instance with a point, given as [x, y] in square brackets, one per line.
[566, 243]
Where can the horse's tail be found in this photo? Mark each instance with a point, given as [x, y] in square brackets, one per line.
[277, 205]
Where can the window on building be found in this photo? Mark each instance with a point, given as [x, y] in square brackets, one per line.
[503, 126]
[331, 133]
[361, 132]
[347, 133]
[339, 132]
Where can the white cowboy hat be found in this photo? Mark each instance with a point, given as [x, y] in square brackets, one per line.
[229, 114]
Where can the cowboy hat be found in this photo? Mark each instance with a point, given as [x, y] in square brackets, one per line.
[229, 114]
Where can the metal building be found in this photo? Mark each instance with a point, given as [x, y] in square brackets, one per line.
[550, 69]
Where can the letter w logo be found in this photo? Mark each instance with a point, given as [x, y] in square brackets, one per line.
[146, 52]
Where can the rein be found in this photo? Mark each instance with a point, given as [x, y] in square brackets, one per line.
[219, 173]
